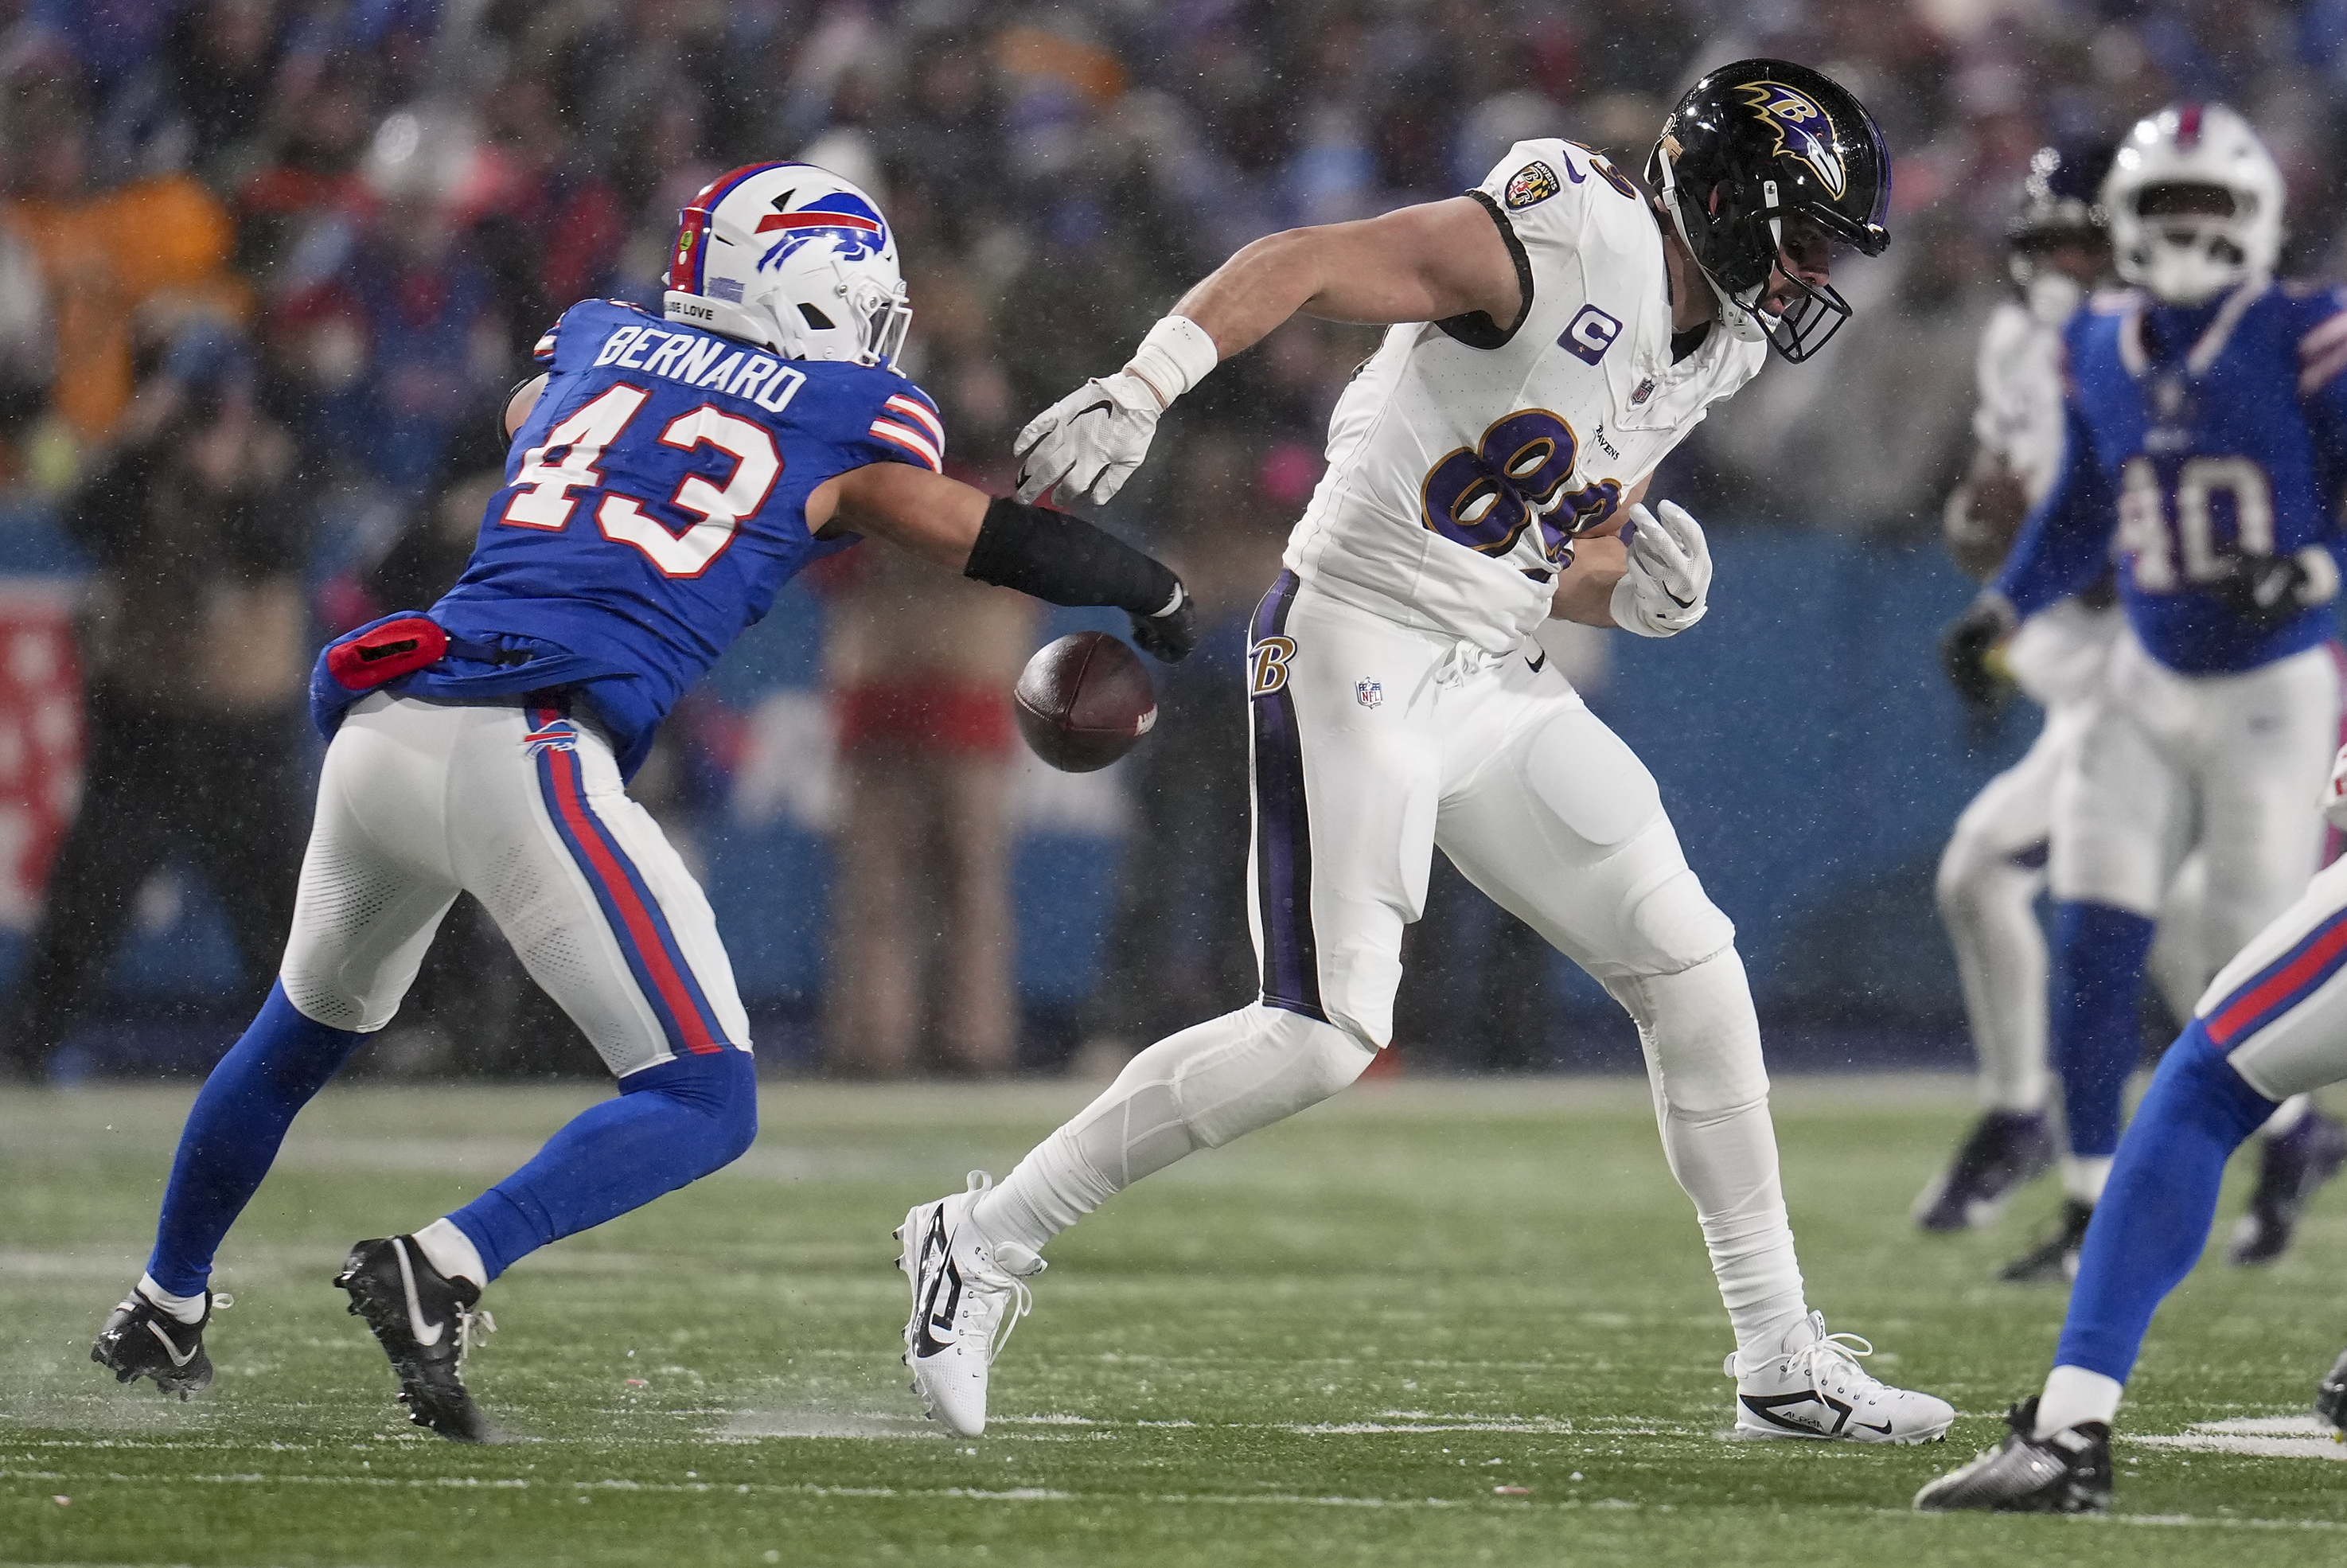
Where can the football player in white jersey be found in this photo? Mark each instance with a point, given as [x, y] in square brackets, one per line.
[1554, 333]
[1994, 866]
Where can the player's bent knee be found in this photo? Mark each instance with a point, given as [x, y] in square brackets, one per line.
[1701, 1035]
[1285, 1063]
[721, 1088]
[1674, 924]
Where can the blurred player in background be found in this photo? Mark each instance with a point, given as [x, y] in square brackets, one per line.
[2271, 1027]
[1557, 331]
[668, 475]
[2206, 440]
[1995, 865]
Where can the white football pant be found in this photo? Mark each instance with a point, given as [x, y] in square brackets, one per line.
[2279, 1010]
[1993, 869]
[523, 808]
[1375, 744]
[2233, 765]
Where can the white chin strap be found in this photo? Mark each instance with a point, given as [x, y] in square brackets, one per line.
[1741, 318]
[2054, 297]
[2187, 274]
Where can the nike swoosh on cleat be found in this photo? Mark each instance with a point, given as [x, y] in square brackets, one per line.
[938, 1311]
[1869, 1427]
[426, 1334]
[179, 1358]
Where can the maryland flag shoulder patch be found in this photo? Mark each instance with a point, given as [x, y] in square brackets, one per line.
[1533, 182]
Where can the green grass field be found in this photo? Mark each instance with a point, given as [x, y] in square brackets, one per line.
[1330, 1344]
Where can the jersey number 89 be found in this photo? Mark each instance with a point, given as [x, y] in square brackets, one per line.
[1485, 496]
[542, 497]
[2194, 554]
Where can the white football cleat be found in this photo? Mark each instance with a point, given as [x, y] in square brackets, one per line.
[969, 1293]
[1814, 1387]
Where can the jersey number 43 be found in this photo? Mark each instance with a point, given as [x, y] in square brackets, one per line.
[2189, 553]
[542, 498]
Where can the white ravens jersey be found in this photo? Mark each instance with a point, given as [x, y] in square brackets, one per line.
[2020, 415]
[1465, 455]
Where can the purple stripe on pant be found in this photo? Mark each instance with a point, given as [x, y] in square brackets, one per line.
[1283, 842]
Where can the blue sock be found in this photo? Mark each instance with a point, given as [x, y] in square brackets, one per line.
[234, 1131]
[2098, 957]
[670, 1125]
[2155, 1215]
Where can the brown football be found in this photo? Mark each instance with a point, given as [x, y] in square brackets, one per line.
[1084, 702]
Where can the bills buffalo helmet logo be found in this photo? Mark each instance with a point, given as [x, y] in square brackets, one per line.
[1533, 182]
[845, 219]
[1802, 130]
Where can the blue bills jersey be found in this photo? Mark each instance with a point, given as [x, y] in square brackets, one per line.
[2195, 436]
[655, 503]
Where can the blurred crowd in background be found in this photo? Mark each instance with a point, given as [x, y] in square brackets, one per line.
[267, 267]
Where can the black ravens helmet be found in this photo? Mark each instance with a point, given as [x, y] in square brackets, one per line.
[1756, 145]
[2058, 205]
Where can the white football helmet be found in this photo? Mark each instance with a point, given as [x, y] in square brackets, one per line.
[794, 259]
[2186, 258]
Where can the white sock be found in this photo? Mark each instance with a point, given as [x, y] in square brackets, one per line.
[1195, 1090]
[1727, 1163]
[2287, 1115]
[2074, 1395]
[452, 1252]
[2084, 1177]
[186, 1308]
[1702, 1045]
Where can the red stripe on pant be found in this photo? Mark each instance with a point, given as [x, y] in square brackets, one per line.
[603, 865]
[2234, 1018]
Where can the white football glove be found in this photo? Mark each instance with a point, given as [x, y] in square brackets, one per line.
[1665, 590]
[1090, 441]
[2334, 793]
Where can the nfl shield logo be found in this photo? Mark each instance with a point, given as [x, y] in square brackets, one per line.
[1370, 693]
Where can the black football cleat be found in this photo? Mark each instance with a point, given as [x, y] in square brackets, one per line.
[2290, 1169]
[2004, 1150]
[142, 1340]
[425, 1321]
[2331, 1398]
[2055, 1260]
[2068, 1472]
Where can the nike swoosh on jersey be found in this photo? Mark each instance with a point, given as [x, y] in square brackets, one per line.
[179, 1358]
[1539, 661]
[426, 1334]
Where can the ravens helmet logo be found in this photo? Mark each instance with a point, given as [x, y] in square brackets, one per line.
[1802, 130]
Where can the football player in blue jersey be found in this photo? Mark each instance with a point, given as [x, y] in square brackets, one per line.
[669, 475]
[2272, 1025]
[2206, 443]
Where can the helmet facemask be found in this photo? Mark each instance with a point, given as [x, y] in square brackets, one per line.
[1739, 249]
[2191, 243]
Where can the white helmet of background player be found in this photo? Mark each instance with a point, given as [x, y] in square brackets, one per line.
[791, 258]
[2194, 202]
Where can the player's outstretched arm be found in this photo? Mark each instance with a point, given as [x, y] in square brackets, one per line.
[1050, 554]
[1421, 263]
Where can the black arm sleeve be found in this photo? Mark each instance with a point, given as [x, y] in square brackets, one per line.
[1065, 561]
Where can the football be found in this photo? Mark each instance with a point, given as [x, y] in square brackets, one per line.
[1084, 702]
